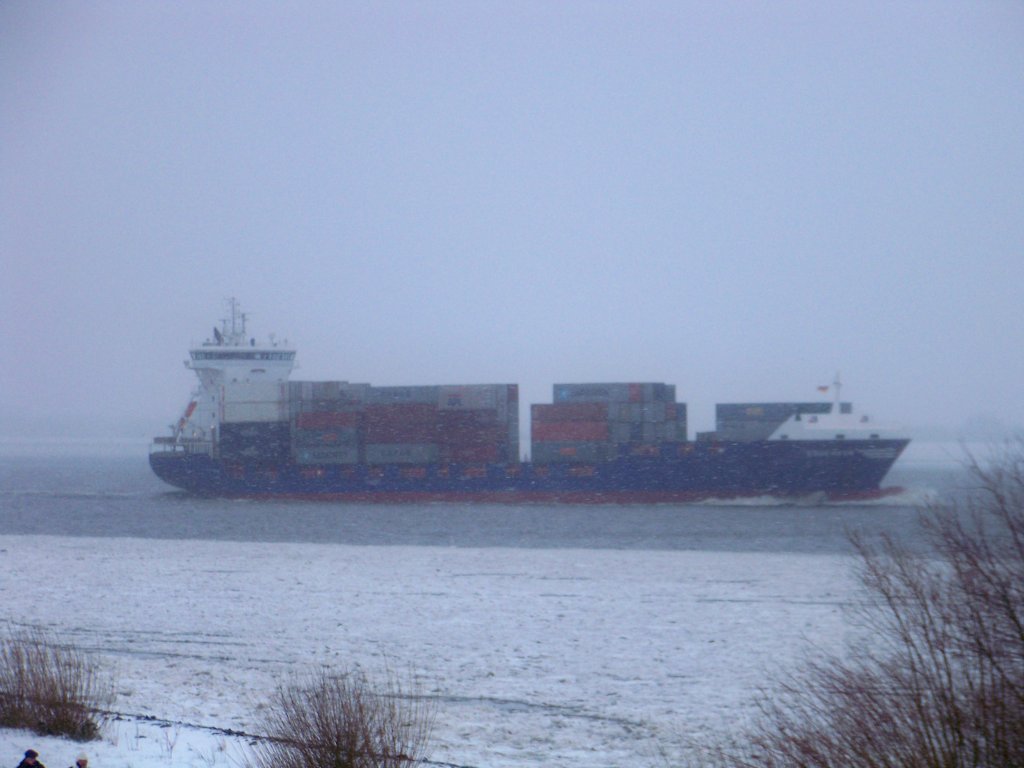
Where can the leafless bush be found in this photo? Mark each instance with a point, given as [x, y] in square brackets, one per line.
[340, 721]
[941, 684]
[50, 688]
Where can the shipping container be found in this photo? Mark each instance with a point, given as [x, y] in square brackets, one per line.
[677, 433]
[295, 407]
[411, 432]
[572, 411]
[512, 435]
[454, 397]
[401, 453]
[590, 393]
[328, 420]
[309, 454]
[335, 391]
[653, 413]
[502, 400]
[473, 436]
[400, 423]
[681, 422]
[745, 422]
[620, 432]
[326, 437]
[481, 452]
[625, 413]
[254, 401]
[452, 421]
[570, 431]
[645, 392]
[300, 390]
[421, 395]
[655, 432]
[548, 453]
[239, 412]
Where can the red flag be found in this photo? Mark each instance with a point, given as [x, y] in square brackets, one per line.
[823, 388]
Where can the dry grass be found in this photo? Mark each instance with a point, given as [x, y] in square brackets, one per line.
[942, 683]
[340, 721]
[49, 688]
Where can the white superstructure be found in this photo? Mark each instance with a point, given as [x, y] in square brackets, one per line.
[230, 361]
[835, 425]
[839, 423]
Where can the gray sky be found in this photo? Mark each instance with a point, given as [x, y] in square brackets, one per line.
[737, 198]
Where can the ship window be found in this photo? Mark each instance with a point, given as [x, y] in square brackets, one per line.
[201, 355]
[874, 435]
[840, 437]
[783, 437]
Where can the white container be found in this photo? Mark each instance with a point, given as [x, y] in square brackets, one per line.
[235, 412]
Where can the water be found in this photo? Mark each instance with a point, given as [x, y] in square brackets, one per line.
[87, 492]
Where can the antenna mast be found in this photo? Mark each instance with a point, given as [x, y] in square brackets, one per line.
[234, 324]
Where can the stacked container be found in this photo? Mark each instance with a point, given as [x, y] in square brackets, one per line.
[254, 422]
[257, 401]
[422, 425]
[598, 422]
[336, 422]
[479, 423]
[400, 433]
[327, 418]
[746, 422]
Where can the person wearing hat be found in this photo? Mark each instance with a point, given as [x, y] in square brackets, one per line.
[81, 761]
[30, 760]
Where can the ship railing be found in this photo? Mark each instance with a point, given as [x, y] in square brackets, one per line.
[181, 445]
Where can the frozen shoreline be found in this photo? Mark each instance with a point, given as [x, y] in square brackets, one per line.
[561, 657]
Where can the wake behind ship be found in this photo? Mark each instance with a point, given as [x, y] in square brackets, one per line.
[248, 431]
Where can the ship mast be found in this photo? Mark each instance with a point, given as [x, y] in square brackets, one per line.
[837, 386]
[235, 334]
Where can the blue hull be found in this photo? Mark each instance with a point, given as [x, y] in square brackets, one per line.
[690, 472]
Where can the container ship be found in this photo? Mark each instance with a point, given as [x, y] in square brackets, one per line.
[248, 431]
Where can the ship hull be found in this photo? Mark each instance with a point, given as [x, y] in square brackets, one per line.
[690, 472]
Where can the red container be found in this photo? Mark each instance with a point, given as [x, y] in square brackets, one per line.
[456, 420]
[400, 433]
[327, 420]
[400, 423]
[473, 436]
[569, 412]
[570, 431]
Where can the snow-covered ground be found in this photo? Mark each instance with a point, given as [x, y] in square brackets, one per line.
[533, 657]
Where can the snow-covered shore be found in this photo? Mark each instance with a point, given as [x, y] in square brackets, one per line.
[532, 656]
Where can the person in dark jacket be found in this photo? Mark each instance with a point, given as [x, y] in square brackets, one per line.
[30, 760]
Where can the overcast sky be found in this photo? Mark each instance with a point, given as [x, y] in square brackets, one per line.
[736, 198]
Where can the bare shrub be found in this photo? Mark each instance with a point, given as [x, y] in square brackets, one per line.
[340, 721]
[49, 688]
[941, 684]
